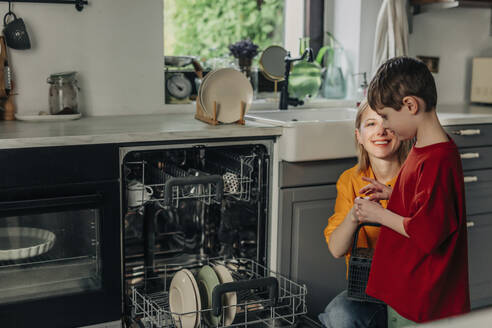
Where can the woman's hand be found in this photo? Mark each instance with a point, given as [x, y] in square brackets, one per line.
[367, 210]
[376, 190]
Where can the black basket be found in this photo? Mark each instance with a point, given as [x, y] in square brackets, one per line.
[359, 268]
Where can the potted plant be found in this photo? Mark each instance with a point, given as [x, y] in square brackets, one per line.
[244, 51]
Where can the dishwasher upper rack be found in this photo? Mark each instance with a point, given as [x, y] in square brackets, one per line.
[171, 184]
[254, 307]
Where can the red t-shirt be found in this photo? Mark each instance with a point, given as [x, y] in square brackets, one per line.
[425, 277]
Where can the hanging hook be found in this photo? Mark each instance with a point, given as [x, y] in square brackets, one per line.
[79, 5]
[10, 7]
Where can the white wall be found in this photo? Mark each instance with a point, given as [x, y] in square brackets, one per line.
[115, 45]
[456, 36]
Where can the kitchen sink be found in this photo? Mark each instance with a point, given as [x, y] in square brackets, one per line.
[312, 134]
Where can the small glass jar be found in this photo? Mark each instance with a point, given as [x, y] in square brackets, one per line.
[63, 93]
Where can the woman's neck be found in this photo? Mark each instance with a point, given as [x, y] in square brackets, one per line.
[384, 169]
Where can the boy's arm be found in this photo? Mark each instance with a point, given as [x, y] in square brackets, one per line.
[369, 211]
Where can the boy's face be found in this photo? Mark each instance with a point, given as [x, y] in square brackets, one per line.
[401, 122]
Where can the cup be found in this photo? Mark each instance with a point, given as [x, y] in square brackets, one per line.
[15, 33]
[137, 194]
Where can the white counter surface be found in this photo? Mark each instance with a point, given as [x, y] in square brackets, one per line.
[167, 127]
[123, 129]
[464, 114]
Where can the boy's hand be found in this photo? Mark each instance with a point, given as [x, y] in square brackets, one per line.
[367, 210]
[376, 190]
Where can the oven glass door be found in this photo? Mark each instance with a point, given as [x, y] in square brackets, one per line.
[51, 252]
[60, 255]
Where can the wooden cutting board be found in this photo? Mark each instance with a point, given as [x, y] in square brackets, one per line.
[6, 98]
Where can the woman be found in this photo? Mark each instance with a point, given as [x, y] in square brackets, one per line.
[380, 155]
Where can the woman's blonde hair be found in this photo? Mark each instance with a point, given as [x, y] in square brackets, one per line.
[362, 155]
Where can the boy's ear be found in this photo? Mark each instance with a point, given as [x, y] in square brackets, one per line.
[412, 104]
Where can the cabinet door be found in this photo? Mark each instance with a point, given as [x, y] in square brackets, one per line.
[304, 255]
[480, 266]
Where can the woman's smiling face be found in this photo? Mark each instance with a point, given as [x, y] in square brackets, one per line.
[376, 140]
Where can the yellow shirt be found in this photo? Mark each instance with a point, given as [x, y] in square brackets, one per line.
[348, 186]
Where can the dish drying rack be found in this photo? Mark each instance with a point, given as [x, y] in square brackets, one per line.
[284, 301]
[172, 184]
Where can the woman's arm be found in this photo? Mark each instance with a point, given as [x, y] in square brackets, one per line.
[341, 238]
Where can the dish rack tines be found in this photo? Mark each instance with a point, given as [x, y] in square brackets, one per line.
[171, 184]
[234, 167]
[254, 306]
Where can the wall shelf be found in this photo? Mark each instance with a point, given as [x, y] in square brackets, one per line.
[79, 4]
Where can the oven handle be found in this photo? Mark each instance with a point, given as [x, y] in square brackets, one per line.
[50, 202]
[219, 290]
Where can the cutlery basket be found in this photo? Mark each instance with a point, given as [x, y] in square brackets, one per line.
[359, 268]
[279, 305]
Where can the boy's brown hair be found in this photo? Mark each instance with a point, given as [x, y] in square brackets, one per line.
[400, 77]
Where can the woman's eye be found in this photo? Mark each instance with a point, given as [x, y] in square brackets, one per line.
[370, 124]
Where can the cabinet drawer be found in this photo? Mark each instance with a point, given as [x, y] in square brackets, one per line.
[476, 158]
[480, 266]
[313, 173]
[471, 135]
[478, 191]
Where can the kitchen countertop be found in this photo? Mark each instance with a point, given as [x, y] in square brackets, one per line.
[170, 126]
[464, 114]
[123, 129]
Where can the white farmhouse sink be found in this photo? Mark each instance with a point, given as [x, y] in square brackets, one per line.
[312, 134]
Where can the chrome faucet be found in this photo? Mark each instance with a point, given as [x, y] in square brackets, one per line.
[285, 100]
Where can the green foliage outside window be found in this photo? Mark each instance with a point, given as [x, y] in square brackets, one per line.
[205, 28]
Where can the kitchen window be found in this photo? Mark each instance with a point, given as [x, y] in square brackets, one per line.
[205, 28]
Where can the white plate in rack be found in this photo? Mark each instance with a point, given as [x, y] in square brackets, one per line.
[230, 298]
[182, 300]
[227, 87]
[47, 118]
[197, 296]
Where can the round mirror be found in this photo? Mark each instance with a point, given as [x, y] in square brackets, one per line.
[272, 63]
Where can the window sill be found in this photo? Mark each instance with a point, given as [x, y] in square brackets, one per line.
[268, 104]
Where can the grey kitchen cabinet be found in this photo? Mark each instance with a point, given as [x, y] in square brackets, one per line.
[307, 199]
[475, 147]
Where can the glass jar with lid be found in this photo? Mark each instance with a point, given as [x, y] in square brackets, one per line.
[63, 93]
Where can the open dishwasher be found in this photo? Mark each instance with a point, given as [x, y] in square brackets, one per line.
[195, 238]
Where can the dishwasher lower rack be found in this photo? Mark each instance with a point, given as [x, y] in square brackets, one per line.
[255, 306]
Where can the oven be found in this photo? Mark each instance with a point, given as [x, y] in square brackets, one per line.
[60, 253]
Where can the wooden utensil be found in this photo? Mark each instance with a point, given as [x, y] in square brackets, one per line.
[9, 109]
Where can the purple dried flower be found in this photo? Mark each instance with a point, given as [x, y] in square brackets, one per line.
[244, 48]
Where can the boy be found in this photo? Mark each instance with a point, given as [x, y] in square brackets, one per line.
[420, 265]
